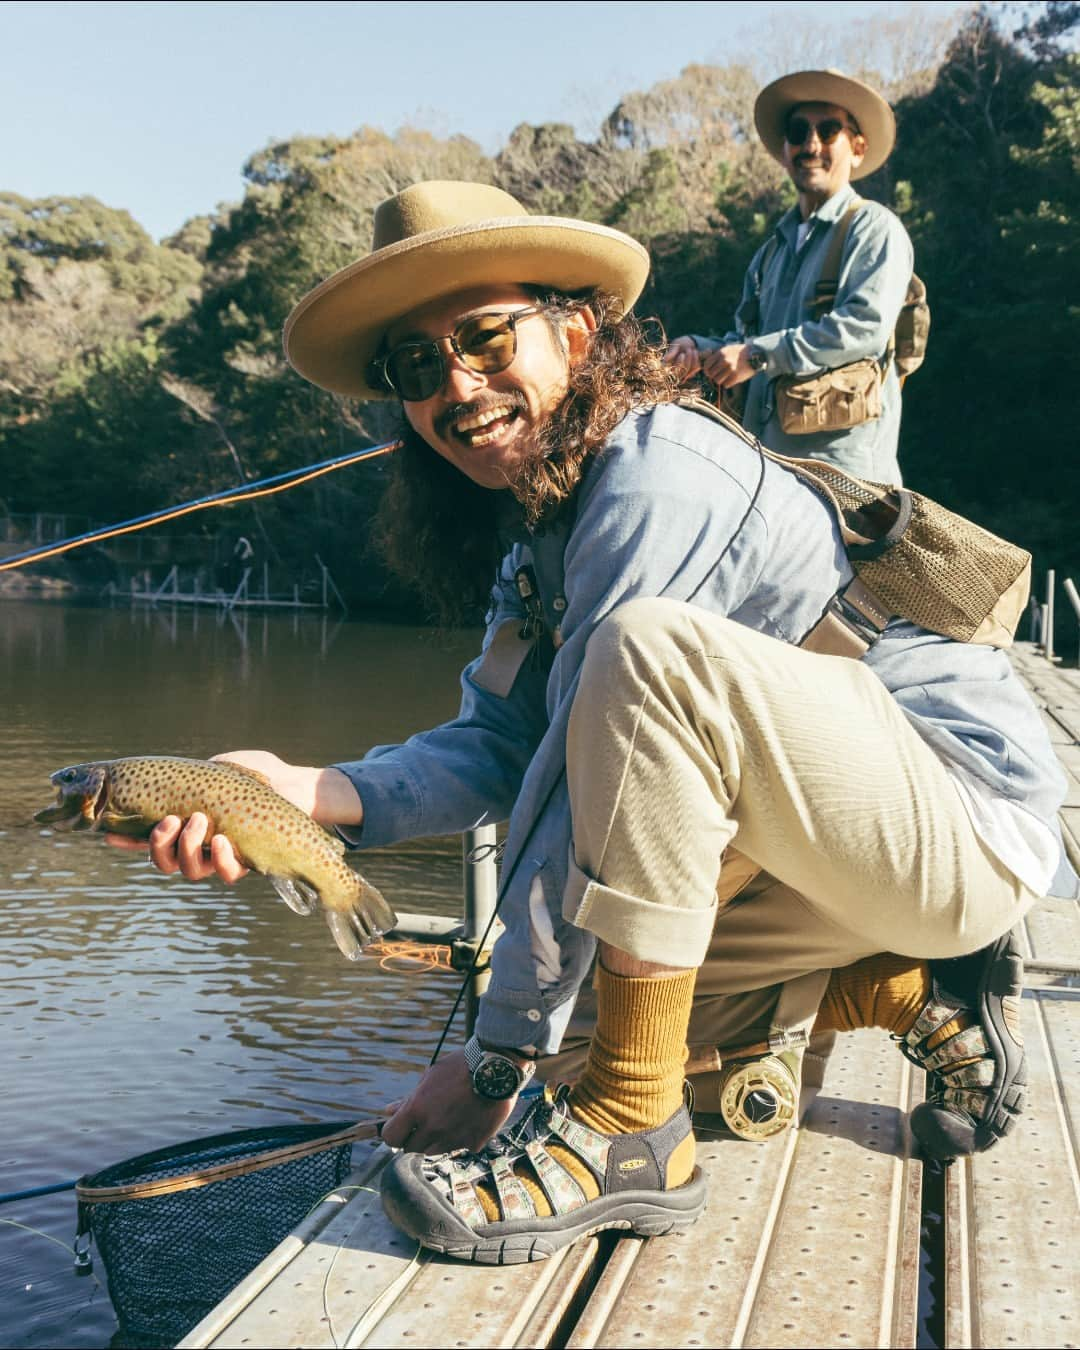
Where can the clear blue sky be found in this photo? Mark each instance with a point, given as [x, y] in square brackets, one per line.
[155, 106]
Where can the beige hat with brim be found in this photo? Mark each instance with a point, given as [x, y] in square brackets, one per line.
[869, 109]
[432, 240]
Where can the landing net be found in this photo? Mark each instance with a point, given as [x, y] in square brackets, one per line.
[178, 1228]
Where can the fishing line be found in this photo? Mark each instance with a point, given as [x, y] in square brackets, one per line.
[262, 487]
[474, 964]
[10, 1223]
[402, 958]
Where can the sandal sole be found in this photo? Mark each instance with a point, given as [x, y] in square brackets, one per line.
[941, 1132]
[412, 1204]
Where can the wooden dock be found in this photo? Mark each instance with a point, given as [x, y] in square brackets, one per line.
[830, 1235]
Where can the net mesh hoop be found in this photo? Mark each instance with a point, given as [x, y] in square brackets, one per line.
[204, 1176]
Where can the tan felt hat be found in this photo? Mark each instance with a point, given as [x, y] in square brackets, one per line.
[869, 109]
[434, 239]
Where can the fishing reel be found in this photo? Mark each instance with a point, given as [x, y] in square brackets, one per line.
[758, 1097]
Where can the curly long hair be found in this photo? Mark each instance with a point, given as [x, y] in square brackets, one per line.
[438, 531]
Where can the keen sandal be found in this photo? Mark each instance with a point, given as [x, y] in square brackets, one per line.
[433, 1199]
[975, 1088]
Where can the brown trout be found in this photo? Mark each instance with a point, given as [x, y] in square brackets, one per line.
[304, 863]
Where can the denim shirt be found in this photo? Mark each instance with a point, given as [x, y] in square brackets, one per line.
[875, 268]
[675, 506]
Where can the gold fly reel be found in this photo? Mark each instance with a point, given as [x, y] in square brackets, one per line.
[758, 1097]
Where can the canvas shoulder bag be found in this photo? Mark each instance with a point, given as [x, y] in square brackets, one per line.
[846, 396]
[913, 559]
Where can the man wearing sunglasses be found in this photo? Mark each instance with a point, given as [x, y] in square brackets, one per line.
[826, 130]
[642, 714]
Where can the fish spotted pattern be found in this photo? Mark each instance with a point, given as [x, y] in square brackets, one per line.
[304, 863]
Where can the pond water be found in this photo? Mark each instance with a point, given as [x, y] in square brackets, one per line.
[138, 1010]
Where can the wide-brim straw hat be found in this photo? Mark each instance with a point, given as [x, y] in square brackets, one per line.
[432, 240]
[871, 112]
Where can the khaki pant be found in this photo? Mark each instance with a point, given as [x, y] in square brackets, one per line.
[694, 739]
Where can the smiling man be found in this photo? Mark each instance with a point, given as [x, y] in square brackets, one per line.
[821, 380]
[644, 716]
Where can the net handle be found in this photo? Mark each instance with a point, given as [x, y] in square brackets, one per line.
[189, 1181]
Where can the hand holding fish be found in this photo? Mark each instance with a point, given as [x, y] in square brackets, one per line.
[326, 795]
[244, 819]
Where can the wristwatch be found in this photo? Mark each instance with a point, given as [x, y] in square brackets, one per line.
[495, 1076]
[756, 359]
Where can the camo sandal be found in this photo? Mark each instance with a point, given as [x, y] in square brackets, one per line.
[975, 1088]
[433, 1199]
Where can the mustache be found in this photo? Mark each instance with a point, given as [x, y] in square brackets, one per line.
[513, 398]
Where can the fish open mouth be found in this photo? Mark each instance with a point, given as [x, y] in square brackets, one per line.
[95, 803]
[80, 802]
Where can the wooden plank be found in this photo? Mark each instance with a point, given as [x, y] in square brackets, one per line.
[1058, 735]
[843, 1264]
[368, 1159]
[330, 1286]
[1070, 829]
[353, 1279]
[1053, 930]
[1012, 1212]
[1067, 715]
[455, 1303]
[810, 1239]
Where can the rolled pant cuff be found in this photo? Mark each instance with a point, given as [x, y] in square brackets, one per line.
[670, 935]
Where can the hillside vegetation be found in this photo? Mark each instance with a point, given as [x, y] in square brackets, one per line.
[136, 374]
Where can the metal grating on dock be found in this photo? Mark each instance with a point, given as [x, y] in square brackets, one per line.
[811, 1239]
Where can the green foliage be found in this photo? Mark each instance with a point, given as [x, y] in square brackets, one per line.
[133, 374]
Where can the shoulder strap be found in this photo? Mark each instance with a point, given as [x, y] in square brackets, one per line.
[766, 258]
[752, 312]
[829, 280]
[855, 618]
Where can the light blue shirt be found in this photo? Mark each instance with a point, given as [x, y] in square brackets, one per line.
[675, 506]
[875, 268]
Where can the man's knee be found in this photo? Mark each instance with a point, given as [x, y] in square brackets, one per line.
[643, 635]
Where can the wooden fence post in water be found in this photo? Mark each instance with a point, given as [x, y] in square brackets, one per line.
[1048, 622]
[480, 894]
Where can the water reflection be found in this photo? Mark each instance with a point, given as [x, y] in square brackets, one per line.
[138, 1010]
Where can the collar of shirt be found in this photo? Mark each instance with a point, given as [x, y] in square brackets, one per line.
[828, 212]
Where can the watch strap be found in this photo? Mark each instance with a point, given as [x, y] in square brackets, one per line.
[475, 1055]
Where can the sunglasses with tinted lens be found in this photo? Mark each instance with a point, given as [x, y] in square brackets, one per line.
[486, 343]
[799, 129]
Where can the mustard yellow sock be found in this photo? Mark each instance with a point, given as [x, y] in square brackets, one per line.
[880, 991]
[632, 1080]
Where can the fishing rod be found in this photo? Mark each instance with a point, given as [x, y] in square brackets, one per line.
[262, 487]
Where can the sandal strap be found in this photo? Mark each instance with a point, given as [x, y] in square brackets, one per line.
[563, 1193]
[590, 1147]
[934, 1016]
[462, 1195]
[971, 1101]
[979, 1074]
[515, 1201]
[971, 1043]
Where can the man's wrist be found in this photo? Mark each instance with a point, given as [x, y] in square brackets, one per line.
[337, 801]
[497, 1074]
[520, 1054]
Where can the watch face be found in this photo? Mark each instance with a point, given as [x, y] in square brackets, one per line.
[496, 1077]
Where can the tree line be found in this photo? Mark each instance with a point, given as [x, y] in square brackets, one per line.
[134, 374]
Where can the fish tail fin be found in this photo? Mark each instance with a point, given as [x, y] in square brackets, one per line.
[364, 922]
[298, 895]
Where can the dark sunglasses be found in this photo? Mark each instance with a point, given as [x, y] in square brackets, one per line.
[799, 129]
[486, 343]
